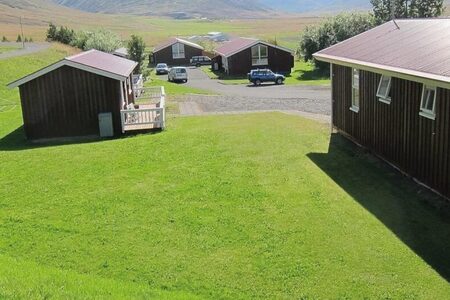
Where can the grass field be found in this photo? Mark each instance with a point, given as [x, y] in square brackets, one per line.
[303, 73]
[153, 29]
[230, 207]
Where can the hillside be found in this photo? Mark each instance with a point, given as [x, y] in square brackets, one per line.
[309, 6]
[218, 9]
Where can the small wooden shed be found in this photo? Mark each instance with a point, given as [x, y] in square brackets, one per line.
[66, 98]
[241, 55]
[391, 94]
[176, 52]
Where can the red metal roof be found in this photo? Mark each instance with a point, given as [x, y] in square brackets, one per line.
[417, 47]
[105, 62]
[235, 45]
[174, 40]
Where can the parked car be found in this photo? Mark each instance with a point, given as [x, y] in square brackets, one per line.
[257, 77]
[200, 61]
[162, 69]
[178, 74]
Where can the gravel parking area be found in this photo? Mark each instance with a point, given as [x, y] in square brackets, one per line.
[234, 103]
[248, 98]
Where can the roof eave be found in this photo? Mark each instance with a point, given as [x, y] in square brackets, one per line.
[254, 44]
[66, 62]
[438, 80]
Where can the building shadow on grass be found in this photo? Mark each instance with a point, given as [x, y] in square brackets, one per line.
[418, 217]
[16, 140]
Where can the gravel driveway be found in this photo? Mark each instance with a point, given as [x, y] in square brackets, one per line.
[29, 48]
[248, 98]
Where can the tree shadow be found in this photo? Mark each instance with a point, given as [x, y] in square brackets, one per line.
[418, 217]
[17, 141]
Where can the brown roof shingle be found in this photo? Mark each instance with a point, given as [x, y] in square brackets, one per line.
[418, 47]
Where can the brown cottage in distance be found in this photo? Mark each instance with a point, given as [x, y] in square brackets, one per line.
[241, 55]
[176, 52]
[66, 98]
[391, 94]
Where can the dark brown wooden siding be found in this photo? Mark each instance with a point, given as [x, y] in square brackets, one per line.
[165, 56]
[417, 145]
[279, 61]
[66, 102]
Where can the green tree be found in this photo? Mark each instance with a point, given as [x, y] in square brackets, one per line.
[384, 10]
[102, 40]
[4, 39]
[51, 32]
[30, 40]
[333, 30]
[136, 51]
[19, 38]
[426, 8]
[26, 40]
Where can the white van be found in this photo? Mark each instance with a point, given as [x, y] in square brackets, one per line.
[178, 74]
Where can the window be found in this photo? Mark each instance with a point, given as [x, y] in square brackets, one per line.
[260, 55]
[384, 89]
[355, 90]
[178, 51]
[428, 103]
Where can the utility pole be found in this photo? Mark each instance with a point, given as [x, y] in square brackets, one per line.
[21, 31]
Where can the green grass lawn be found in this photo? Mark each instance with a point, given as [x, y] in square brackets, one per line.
[218, 207]
[302, 73]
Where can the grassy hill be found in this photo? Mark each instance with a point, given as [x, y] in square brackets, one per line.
[37, 14]
[221, 9]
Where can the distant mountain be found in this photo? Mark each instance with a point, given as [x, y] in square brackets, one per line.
[222, 9]
[304, 6]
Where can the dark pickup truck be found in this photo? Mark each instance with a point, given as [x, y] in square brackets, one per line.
[257, 77]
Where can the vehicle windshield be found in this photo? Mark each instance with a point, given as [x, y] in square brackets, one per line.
[161, 66]
[180, 70]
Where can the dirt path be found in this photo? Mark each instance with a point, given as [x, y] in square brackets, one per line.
[29, 49]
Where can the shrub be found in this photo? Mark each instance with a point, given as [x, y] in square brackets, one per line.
[4, 39]
[19, 38]
[332, 31]
[102, 40]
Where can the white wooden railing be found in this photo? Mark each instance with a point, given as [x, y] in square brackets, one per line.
[149, 94]
[152, 114]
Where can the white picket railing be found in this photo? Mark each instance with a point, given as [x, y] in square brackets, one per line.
[145, 117]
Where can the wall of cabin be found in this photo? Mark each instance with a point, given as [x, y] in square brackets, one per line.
[417, 145]
[279, 61]
[66, 102]
[165, 56]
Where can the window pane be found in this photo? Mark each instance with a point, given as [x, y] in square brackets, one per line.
[355, 81]
[384, 87]
[255, 53]
[263, 50]
[356, 97]
[430, 100]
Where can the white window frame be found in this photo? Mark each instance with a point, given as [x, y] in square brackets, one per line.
[355, 87]
[384, 97]
[260, 60]
[178, 51]
[424, 112]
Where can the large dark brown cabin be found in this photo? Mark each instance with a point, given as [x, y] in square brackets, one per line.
[391, 94]
[66, 98]
[176, 52]
[241, 55]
